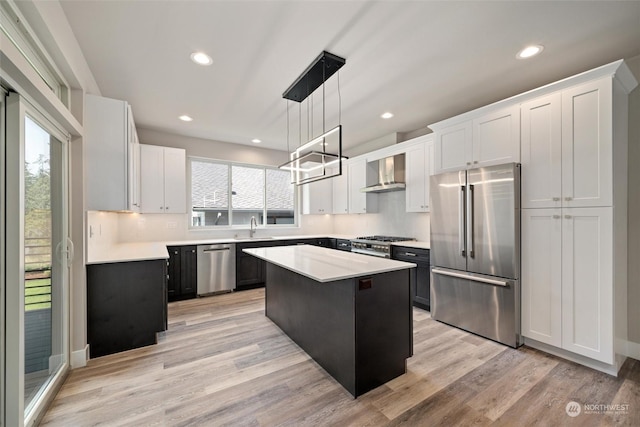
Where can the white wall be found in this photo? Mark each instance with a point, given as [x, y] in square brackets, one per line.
[198, 147]
[391, 220]
[633, 217]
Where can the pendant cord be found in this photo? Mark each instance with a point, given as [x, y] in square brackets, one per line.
[339, 101]
[287, 107]
[323, 101]
[299, 124]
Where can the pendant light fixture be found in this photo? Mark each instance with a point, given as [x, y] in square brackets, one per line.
[321, 157]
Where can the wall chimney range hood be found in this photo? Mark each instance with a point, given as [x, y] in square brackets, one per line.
[390, 175]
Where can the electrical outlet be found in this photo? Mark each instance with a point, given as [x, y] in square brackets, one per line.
[172, 224]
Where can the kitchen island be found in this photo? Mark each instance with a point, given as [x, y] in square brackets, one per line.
[351, 313]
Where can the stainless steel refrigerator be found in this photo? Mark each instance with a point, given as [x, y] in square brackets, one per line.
[475, 251]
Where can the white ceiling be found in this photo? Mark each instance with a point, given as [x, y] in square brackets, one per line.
[422, 60]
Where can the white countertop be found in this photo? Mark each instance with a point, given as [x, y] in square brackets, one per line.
[125, 252]
[326, 265]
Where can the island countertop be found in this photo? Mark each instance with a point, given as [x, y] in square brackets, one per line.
[326, 265]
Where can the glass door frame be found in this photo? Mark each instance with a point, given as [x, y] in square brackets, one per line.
[3, 329]
[17, 109]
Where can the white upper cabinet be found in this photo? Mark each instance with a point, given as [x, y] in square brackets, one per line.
[360, 202]
[587, 155]
[490, 139]
[111, 160]
[317, 197]
[163, 179]
[542, 152]
[567, 148]
[453, 147]
[340, 187]
[419, 159]
[496, 137]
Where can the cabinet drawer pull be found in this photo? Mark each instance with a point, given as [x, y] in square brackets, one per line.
[556, 199]
[556, 217]
[567, 216]
[568, 199]
[410, 254]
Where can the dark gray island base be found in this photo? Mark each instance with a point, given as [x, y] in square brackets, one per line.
[358, 329]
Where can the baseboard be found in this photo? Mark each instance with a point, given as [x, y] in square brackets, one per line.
[633, 350]
[577, 358]
[55, 361]
[79, 357]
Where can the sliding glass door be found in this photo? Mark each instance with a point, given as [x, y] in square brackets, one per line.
[38, 252]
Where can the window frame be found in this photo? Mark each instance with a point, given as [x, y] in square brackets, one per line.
[19, 32]
[231, 226]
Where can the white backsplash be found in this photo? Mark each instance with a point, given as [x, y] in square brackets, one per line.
[391, 220]
[106, 228]
[102, 230]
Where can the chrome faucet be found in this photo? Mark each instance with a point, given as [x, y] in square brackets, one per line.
[252, 226]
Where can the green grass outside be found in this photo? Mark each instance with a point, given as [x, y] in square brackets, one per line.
[32, 299]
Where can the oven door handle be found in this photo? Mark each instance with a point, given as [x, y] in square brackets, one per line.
[372, 253]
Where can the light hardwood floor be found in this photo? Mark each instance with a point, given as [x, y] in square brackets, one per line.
[222, 362]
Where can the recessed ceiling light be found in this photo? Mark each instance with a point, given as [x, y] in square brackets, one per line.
[185, 118]
[201, 58]
[386, 115]
[529, 51]
[256, 141]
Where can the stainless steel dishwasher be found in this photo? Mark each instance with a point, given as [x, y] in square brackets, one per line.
[216, 268]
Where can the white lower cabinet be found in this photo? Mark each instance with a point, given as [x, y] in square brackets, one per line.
[542, 275]
[567, 279]
[587, 282]
[162, 179]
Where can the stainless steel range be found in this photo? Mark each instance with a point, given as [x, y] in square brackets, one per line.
[379, 246]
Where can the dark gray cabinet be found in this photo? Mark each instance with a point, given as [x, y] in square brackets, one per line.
[251, 272]
[343, 245]
[182, 270]
[422, 287]
[126, 305]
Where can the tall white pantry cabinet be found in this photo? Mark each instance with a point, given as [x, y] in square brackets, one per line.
[574, 218]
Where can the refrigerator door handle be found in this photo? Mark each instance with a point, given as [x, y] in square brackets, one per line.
[470, 219]
[461, 220]
[487, 280]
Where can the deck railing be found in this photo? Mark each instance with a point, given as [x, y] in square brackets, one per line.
[37, 278]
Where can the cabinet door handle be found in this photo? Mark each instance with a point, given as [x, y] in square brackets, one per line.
[567, 216]
[468, 163]
[161, 207]
[568, 199]
[475, 162]
[556, 199]
[556, 217]
[167, 208]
